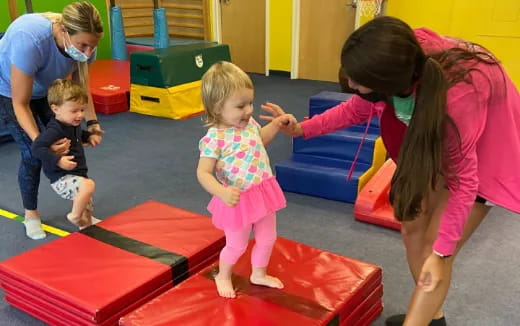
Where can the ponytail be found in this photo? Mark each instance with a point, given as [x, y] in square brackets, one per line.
[421, 155]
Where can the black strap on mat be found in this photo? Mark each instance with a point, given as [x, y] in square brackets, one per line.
[278, 297]
[177, 263]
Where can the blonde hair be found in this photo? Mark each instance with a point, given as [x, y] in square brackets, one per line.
[52, 16]
[218, 83]
[65, 90]
[79, 17]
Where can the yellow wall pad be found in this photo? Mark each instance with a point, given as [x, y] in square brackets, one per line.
[378, 160]
[177, 102]
[45, 227]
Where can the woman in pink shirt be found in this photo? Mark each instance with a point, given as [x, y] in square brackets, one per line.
[450, 118]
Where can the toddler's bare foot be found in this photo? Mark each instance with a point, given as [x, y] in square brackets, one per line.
[86, 220]
[84, 223]
[76, 220]
[266, 280]
[225, 287]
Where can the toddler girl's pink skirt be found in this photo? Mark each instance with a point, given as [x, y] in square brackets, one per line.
[255, 202]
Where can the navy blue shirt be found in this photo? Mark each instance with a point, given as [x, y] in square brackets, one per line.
[56, 130]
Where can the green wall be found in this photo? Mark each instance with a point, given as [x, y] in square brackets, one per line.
[57, 6]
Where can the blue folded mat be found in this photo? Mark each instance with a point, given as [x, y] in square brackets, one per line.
[319, 166]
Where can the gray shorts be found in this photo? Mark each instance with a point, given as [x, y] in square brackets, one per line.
[67, 187]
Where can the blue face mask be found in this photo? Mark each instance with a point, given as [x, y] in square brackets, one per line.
[73, 52]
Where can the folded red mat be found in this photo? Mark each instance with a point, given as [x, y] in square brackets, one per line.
[320, 288]
[109, 82]
[97, 274]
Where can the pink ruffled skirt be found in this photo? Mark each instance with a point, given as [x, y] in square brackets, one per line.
[255, 202]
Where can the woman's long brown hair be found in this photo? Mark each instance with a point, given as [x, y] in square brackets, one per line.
[385, 55]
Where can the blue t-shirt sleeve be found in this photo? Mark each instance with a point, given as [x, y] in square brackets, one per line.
[25, 54]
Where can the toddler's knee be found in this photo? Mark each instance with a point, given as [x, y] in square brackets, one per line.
[236, 251]
[266, 241]
[88, 185]
[231, 254]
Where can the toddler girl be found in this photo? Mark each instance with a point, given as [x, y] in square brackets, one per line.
[245, 193]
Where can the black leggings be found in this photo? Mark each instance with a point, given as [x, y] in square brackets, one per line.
[29, 171]
[480, 200]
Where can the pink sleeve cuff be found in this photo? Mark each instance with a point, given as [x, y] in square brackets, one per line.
[444, 247]
[310, 128]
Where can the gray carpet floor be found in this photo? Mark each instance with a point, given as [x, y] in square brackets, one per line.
[144, 158]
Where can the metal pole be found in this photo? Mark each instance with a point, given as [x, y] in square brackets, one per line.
[28, 6]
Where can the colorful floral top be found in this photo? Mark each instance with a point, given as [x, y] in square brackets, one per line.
[241, 157]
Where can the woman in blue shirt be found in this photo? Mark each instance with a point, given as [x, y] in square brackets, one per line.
[35, 50]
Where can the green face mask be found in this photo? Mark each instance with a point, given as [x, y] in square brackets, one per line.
[404, 107]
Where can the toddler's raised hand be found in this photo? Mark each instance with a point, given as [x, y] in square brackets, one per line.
[284, 119]
[67, 163]
[230, 196]
[94, 140]
[273, 109]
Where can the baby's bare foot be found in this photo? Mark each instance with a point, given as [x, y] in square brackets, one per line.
[84, 221]
[225, 287]
[76, 220]
[266, 280]
[87, 220]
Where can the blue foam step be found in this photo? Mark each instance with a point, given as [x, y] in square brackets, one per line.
[328, 162]
[340, 144]
[320, 177]
[323, 101]
[361, 128]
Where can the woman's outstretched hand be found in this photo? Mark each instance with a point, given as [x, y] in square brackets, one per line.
[287, 123]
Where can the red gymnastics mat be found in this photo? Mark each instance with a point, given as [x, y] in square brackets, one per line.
[372, 204]
[109, 82]
[95, 276]
[321, 288]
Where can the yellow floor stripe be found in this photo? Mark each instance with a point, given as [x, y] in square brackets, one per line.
[56, 231]
[7, 214]
[46, 227]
